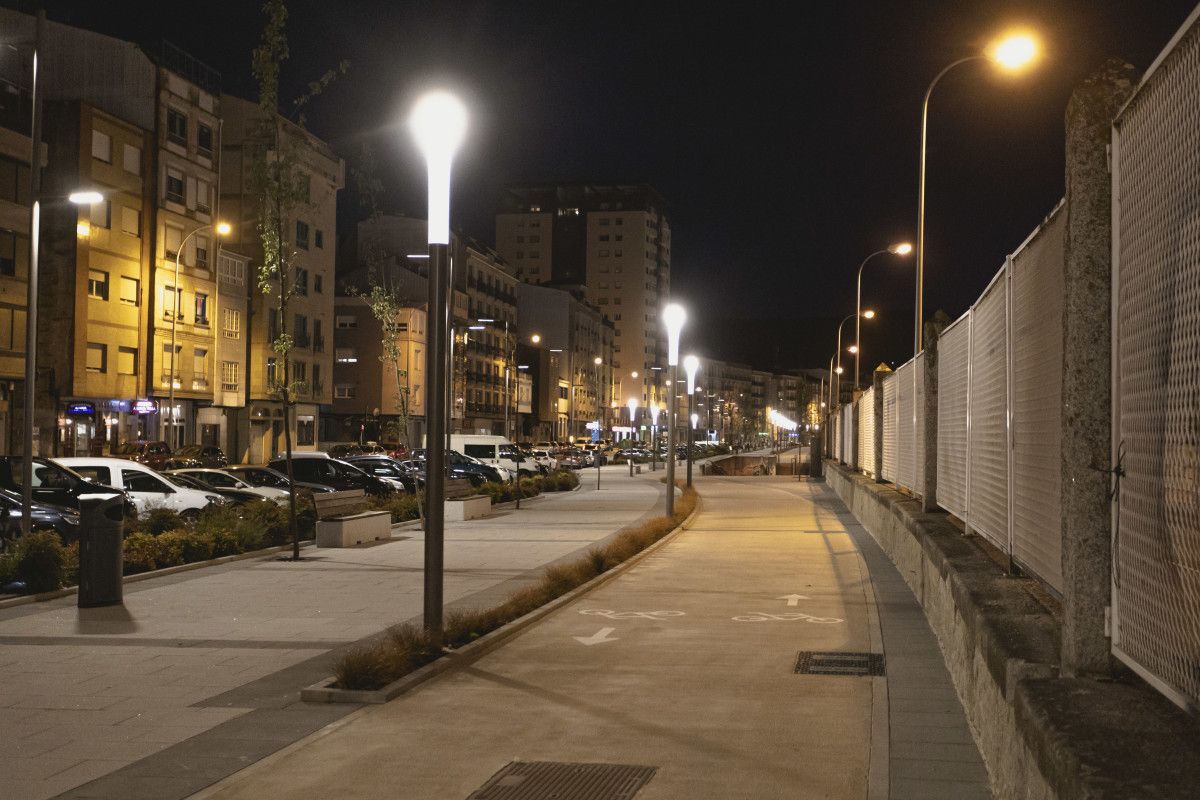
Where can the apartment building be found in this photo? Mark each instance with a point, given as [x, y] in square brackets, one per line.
[614, 241]
[258, 432]
[15, 151]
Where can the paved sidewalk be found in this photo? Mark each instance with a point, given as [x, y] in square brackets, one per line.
[199, 673]
[684, 664]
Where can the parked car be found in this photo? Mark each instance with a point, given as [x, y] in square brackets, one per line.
[332, 472]
[387, 469]
[343, 450]
[496, 451]
[222, 481]
[395, 450]
[545, 461]
[460, 466]
[231, 495]
[156, 455]
[53, 483]
[64, 521]
[206, 455]
[267, 478]
[147, 488]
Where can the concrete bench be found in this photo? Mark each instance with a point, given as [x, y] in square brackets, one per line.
[462, 503]
[343, 520]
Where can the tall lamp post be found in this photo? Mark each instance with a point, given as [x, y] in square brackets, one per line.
[900, 249]
[597, 361]
[655, 410]
[1011, 54]
[438, 124]
[691, 365]
[633, 406]
[868, 314]
[673, 317]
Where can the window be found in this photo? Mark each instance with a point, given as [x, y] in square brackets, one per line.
[14, 181]
[301, 281]
[174, 191]
[300, 371]
[231, 323]
[272, 325]
[102, 214]
[345, 321]
[203, 196]
[201, 252]
[127, 360]
[176, 127]
[318, 282]
[201, 309]
[97, 357]
[345, 355]
[141, 482]
[345, 391]
[302, 235]
[170, 363]
[132, 159]
[318, 337]
[306, 431]
[229, 375]
[102, 147]
[319, 238]
[272, 371]
[604, 220]
[604, 237]
[97, 284]
[171, 300]
[231, 270]
[300, 330]
[604, 254]
[172, 241]
[130, 291]
[131, 221]
[316, 380]
[204, 140]
[199, 367]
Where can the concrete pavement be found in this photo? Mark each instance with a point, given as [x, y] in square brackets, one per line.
[198, 674]
[683, 665]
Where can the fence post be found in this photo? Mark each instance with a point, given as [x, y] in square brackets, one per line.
[877, 377]
[1087, 365]
[929, 399]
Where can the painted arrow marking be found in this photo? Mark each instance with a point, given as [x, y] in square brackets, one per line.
[794, 599]
[599, 637]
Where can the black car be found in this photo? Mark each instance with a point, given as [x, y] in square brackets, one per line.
[206, 455]
[338, 475]
[53, 484]
[65, 521]
[272, 478]
[460, 466]
[388, 469]
[235, 496]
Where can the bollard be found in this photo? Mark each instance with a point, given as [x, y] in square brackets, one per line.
[101, 550]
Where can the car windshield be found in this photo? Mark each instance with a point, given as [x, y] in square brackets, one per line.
[181, 480]
[217, 479]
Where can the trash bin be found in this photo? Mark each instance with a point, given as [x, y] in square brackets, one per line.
[101, 552]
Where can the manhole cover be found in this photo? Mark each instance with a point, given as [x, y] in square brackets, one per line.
[812, 663]
[551, 780]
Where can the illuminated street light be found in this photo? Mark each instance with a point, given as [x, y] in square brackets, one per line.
[536, 338]
[1011, 54]
[85, 197]
[898, 249]
[438, 124]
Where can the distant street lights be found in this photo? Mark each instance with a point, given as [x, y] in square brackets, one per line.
[901, 249]
[673, 316]
[1011, 53]
[438, 123]
[867, 314]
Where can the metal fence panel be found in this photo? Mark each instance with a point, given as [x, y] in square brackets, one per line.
[866, 432]
[891, 426]
[952, 375]
[848, 443]
[905, 428]
[836, 421]
[1037, 331]
[987, 416]
[1156, 359]
[919, 425]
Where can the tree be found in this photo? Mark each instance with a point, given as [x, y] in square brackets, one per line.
[280, 182]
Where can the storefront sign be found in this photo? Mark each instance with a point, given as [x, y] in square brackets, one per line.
[81, 408]
[144, 407]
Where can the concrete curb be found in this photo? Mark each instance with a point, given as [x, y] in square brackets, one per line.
[323, 691]
[157, 573]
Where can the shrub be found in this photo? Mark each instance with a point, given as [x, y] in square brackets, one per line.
[8, 567]
[70, 564]
[140, 553]
[41, 561]
[168, 549]
[270, 519]
[225, 543]
[403, 507]
[197, 546]
[161, 520]
[566, 481]
[530, 487]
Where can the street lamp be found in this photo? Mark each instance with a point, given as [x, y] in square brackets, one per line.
[900, 249]
[438, 123]
[1011, 53]
[221, 229]
[673, 316]
[633, 406]
[691, 365]
[597, 361]
[867, 314]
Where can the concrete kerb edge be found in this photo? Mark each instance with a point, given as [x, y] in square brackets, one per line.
[157, 573]
[323, 691]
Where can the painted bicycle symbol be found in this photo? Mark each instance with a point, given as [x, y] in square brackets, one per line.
[599, 612]
[788, 616]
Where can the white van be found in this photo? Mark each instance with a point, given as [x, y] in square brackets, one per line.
[494, 450]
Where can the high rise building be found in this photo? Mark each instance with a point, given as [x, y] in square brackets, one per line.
[614, 241]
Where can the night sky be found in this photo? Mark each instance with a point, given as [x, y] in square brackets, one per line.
[783, 135]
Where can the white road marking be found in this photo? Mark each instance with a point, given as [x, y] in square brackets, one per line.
[794, 599]
[790, 616]
[600, 612]
[599, 637]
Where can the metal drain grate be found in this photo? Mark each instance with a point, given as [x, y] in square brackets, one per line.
[552, 780]
[813, 663]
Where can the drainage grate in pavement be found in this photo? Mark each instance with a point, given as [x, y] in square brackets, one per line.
[814, 663]
[551, 780]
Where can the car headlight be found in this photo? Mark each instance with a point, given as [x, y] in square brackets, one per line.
[215, 499]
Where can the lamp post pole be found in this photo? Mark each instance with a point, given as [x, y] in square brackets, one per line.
[674, 316]
[174, 437]
[838, 371]
[904, 248]
[633, 406]
[31, 295]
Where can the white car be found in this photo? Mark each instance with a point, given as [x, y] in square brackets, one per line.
[544, 459]
[220, 479]
[147, 488]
